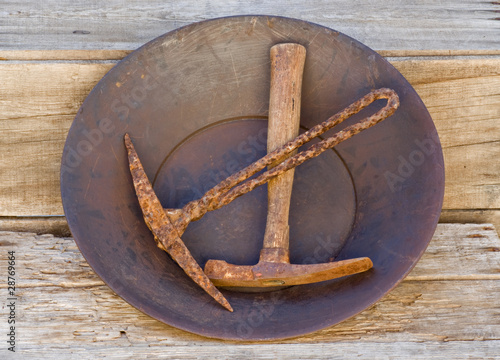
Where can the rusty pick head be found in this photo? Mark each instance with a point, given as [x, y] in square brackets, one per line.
[166, 235]
[281, 274]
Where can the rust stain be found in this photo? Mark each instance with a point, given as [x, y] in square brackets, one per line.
[252, 27]
[492, 249]
[234, 186]
[314, 150]
[231, 188]
[273, 274]
[471, 236]
[270, 22]
[167, 231]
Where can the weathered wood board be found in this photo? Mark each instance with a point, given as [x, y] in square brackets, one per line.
[39, 100]
[119, 24]
[448, 307]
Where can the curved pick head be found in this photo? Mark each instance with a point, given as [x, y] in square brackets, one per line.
[272, 274]
[165, 233]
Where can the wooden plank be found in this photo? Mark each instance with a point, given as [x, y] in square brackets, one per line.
[446, 306]
[464, 101]
[119, 24]
[39, 100]
[451, 244]
[38, 103]
[332, 351]
[440, 72]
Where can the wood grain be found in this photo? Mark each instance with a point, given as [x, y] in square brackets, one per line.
[448, 305]
[332, 351]
[37, 105]
[120, 24]
[464, 101]
[287, 68]
[39, 100]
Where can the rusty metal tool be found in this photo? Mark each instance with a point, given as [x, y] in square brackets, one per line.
[168, 225]
[175, 221]
[236, 185]
[358, 202]
[166, 235]
[274, 268]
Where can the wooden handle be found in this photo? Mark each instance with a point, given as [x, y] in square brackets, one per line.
[287, 67]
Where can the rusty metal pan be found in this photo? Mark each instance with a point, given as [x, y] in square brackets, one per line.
[195, 103]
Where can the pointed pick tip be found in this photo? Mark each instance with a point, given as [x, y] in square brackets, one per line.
[226, 305]
[127, 139]
[185, 255]
[128, 142]
[211, 290]
[181, 255]
[215, 293]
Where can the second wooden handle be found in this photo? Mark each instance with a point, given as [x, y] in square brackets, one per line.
[287, 67]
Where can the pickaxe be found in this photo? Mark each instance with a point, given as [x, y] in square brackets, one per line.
[168, 225]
